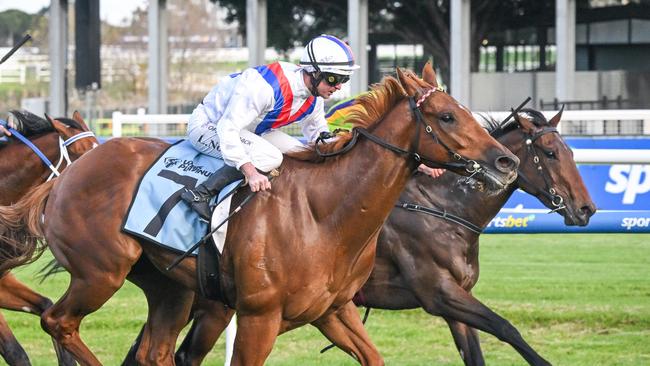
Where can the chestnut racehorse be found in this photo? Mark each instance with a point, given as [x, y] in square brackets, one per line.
[424, 260]
[303, 250]
[20, 170]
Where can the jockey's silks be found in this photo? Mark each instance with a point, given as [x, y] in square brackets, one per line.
[280, 115]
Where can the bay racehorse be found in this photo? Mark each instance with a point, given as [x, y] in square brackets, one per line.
[301, 251]
[20, 170]
[430, 262]
[426, 261]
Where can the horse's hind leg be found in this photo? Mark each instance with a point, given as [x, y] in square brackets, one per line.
[210, 320]
[10, 350]
[169, 310]
[467, 343]
[453, 302]
[345, 329]
[169, 307]
[84, 296]
[14, 295]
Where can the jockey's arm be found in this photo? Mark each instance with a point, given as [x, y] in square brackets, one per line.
[315, 123]
[246, 105]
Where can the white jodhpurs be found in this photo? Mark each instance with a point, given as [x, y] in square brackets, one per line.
[265, 151]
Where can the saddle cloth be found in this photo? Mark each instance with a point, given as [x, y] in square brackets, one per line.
[157, 213]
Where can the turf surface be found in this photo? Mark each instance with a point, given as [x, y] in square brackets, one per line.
[577, 299]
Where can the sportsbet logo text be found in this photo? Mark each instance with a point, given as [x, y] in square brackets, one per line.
[630, 222]
[511, 221]
[631, 180]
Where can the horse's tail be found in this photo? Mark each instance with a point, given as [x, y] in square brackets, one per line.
[20, 229]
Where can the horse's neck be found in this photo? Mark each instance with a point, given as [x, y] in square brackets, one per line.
[450, 193]
[356, 191]
[22, 164]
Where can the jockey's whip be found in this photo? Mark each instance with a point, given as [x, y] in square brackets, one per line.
[274, 173]
[516, 110]
[26, 38]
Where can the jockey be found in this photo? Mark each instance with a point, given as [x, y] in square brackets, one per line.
[239, 118]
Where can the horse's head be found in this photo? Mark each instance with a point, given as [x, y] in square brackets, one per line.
[452, 136]
[75, 134]
[547, 168]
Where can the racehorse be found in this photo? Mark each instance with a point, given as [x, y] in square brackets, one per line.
[277, 276]
[430, 261]
[20, 170]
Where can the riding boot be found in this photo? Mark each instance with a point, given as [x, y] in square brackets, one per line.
[199, 197]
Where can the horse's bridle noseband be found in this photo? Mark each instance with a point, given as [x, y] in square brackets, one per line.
[470, 166]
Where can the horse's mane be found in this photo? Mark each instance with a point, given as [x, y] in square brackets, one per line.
[498, 128]
[371, 107]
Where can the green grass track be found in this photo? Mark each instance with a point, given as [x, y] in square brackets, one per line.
[577, 299]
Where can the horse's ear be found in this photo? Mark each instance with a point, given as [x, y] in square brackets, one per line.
[60, 127]
[49, 119]
[77, 117]
[408, 83]
[556, 119]
[524, 123]
[429, 75]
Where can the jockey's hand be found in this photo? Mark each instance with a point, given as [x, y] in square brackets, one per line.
[10, 124]
[432, 172]
[4, 131]
[256, 180]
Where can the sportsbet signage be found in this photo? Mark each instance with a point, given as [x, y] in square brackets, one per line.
[621, 193]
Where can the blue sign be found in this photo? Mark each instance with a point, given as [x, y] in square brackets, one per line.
[621, 193]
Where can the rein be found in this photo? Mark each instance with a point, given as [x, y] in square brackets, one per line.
[63, 151]
[471, 166]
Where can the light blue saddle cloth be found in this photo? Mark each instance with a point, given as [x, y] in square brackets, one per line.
[157, 212]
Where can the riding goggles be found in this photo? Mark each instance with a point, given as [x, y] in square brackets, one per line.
[335, 79]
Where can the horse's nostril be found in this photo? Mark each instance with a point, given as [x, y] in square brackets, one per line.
[507, 164]
[587, 210]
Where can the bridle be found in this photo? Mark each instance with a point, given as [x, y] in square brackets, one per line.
[63, 149]
[470, 166]
[549, 192]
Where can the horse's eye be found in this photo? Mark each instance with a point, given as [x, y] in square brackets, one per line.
[550, 154]
[447, 118]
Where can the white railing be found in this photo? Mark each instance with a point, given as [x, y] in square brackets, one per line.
[582, 156]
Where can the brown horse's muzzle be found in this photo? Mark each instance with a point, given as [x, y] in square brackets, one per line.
[501, 173]
[579, 216]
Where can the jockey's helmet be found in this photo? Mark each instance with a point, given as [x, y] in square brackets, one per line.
[328, 54]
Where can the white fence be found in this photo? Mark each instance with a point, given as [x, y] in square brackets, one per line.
[176, 124]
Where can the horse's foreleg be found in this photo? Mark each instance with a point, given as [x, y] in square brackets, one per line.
[345, 329]
[10, 350]
[256, 335]
[84, 296]
[453, 302]
[210, 319]
[467, 343]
